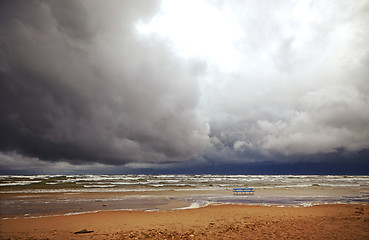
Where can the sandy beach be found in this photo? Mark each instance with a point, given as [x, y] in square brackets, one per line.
[212, 222]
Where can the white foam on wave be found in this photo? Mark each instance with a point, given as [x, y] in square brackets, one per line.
[99, 186]
[18, 183]
[192, 206]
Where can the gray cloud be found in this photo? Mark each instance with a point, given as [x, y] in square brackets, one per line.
[301, 86]
[79, 85]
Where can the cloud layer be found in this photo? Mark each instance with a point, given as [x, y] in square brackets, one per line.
[142, 83]
[300, 87]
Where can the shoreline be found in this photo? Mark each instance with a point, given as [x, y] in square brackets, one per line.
[17, 205]
[225, 221]
[192, 206]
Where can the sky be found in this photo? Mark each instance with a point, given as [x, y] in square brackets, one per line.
[221, 87]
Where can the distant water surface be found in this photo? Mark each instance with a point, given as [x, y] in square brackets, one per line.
[72, 194]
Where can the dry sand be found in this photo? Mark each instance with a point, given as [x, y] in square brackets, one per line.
[212, 222]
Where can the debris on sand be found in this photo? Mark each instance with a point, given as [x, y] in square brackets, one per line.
[83, 231]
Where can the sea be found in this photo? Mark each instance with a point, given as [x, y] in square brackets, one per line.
[49, 195]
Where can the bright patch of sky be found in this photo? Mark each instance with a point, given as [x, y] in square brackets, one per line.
[198, 30]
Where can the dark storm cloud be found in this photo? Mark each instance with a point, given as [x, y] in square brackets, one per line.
[77, 84]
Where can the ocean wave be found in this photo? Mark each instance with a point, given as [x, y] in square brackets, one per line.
[98, 186]
[70, 183]
[18, 183]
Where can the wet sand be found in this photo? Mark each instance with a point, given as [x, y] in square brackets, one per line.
[212, 222]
